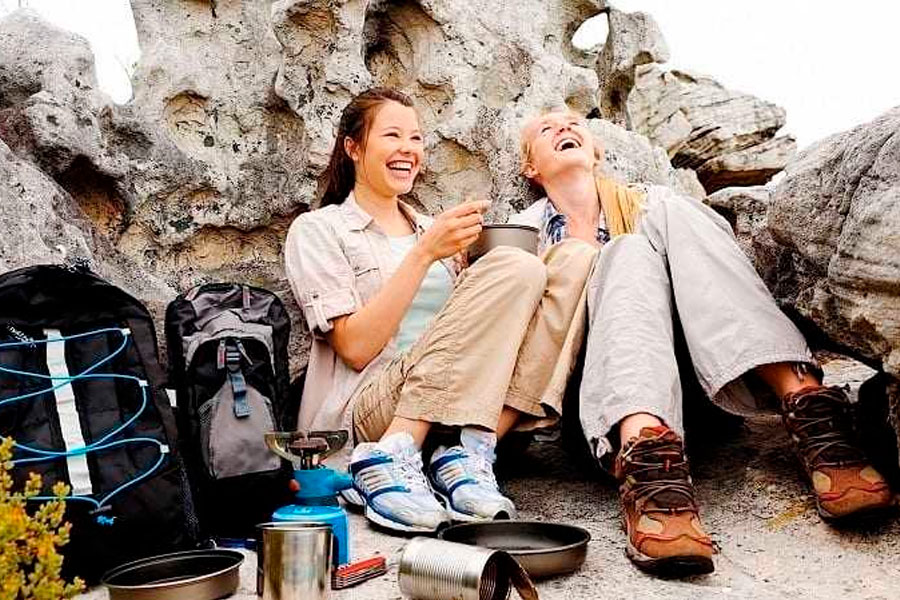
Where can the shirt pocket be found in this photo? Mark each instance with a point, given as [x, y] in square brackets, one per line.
[367, 273]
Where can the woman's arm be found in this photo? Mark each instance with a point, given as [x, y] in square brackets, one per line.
[358, 338]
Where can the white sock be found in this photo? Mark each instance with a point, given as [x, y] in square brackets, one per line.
[479, 441]
[395, 444]
[398, 443]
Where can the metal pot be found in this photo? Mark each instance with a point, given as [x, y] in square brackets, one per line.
[518, 236]
[192, 575]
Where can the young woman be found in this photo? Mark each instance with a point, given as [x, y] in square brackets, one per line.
[404, 339]
[661, 252]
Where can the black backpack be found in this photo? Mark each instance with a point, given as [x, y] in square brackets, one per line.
[79, 367]
[228, 363]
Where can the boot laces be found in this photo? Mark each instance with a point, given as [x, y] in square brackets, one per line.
[819, 424]
[658, 470]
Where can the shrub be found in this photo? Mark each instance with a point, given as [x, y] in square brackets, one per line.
[29, 559]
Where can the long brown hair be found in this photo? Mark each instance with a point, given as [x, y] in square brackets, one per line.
[621, 204]
[356, 120]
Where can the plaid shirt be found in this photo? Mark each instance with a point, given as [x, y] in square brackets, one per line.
[554, 230]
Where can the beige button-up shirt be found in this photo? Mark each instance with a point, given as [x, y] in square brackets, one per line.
[336, 259]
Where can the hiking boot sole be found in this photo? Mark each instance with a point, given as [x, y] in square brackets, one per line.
[670, 567]
[864, 515]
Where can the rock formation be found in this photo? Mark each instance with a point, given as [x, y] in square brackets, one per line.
[826, 239]
[198, 177]
[727, 137]
[233, 116]
[837, 211]
[634, 40]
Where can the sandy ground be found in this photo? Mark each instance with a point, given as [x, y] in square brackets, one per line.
[771, 543]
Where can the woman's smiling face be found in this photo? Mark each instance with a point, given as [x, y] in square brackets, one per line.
[393, 151]
[554, 143]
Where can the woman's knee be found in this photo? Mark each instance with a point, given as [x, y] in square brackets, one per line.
[523, 268]
[625, 247]
[570, 249]
[628, 253]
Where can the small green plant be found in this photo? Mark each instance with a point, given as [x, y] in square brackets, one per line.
[29, 558]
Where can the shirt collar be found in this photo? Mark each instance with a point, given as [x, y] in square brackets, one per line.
[553, 229]
[358, 219]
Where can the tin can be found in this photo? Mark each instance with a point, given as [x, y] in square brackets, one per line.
[294, 561]
[438, 570]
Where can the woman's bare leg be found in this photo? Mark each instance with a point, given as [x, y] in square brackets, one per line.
[630, 426]
[508, 419]
[786, 378]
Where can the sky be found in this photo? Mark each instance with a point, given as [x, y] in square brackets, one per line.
[827, 62]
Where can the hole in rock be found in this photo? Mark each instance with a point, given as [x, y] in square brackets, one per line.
[96, 196]
[399, 38]
[592, 34]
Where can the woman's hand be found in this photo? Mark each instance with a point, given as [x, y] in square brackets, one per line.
[453, 230]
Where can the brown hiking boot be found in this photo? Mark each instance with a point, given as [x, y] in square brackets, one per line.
[665, 536]
[820, 422]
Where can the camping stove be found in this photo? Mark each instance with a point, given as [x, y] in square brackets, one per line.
[315, 486]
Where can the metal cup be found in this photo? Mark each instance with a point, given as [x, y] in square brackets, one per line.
[294, 561]
[518, 236]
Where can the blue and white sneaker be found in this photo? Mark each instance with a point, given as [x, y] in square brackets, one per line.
[388, 475]
[464, 477]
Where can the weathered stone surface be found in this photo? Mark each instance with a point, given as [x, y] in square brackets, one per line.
[837, 211]
[34, 219]
[826, 239]
[235, 105]
[42, 224]
[634, 39]
[690, 184]
[748, 166]
[57, 61]
[746, 208]
[233, 116]
[629, 157]
[697, 120]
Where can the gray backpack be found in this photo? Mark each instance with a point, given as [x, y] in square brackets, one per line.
[228, 363]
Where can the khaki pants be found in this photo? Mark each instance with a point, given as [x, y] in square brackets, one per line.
[509, 335]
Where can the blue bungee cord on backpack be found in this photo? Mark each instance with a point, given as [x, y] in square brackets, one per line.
[101, 444]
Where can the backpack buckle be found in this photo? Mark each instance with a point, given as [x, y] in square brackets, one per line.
[229, 356]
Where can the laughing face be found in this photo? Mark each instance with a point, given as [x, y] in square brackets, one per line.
[555, 143]
[393, 151]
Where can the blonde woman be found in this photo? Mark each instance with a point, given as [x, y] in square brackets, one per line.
[663, 257]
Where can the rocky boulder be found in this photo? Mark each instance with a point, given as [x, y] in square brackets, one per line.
[826, 239]
[727, 137]
[233, 116]
[837, 211]
[634, 39]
